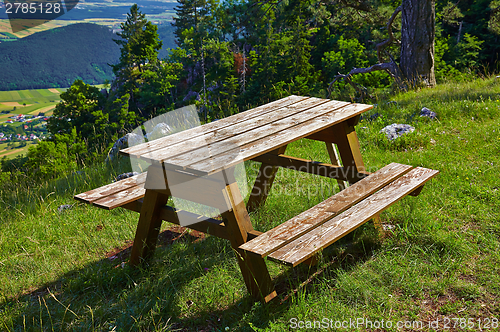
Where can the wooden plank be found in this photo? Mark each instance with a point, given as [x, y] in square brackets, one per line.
[197, 222]
[276, 139]
[287, 232]
[121, 198]
[304, 165]
[304, 247]
[230, 133]
[231, 147]
[209, 127]
[334, 158]
[323, 136]
[112, 188]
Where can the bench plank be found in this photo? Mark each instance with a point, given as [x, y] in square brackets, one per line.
[120, 198]
[112, 188]
[212, 126]
[285, 233]
[304, 247]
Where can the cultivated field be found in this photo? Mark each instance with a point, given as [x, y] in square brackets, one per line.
[26, 102]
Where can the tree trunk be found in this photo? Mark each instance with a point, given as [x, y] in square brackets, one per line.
[417, 42]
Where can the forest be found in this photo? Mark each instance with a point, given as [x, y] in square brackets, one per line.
[56, 58]
[65, 265]
[233, 55]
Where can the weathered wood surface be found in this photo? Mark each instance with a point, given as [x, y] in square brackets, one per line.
[137, 150]
[287, 232]
[262, 145]
[205, 154]
[120, 198]
[253, 268]
[335, 160]
[233, 134]
[112, 188]
[307, 245]
[349, 149]
[148, 227]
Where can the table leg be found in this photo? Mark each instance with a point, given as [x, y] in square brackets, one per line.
[263, 183]
[253, 267]
[349, 149]
[148, 227]
[377, 222]
[334, 159]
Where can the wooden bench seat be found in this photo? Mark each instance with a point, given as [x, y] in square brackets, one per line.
[116, 194]
[128, 194]
[301, 237]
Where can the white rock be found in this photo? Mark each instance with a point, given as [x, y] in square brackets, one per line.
[395, 130]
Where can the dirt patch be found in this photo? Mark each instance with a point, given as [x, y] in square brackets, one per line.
[54, 91]
[43, 109]
[14, 103]
[9, 153]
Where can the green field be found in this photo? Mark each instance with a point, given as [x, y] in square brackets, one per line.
[28, 101]
[25, 102]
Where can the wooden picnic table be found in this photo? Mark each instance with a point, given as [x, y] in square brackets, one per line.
[198, 165]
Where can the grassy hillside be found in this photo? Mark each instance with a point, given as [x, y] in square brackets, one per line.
[57, 57]
[440, 260]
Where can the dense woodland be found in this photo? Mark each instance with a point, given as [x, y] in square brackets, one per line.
[57, 57]
[236, 54]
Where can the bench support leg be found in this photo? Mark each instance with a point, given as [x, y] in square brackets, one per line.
[148, 227]
[311, 261]
[253, 267]
[378, 225]
[263, 183]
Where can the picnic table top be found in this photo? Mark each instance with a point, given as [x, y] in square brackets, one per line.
[215, 146]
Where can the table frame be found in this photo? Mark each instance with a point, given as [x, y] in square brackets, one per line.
[225, 195]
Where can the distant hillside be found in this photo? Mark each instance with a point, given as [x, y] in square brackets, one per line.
[166, 34]
[55, 58]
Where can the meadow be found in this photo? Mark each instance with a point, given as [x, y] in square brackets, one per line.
[439, 260]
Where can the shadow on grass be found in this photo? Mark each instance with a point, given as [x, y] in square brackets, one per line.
[186, 287]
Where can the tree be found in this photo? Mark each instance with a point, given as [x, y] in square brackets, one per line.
[140, 45]
[416, 65]
[81, 108]
[139, 42]
[417, 42]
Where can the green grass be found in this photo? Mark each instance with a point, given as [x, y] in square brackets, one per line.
[441, 260]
